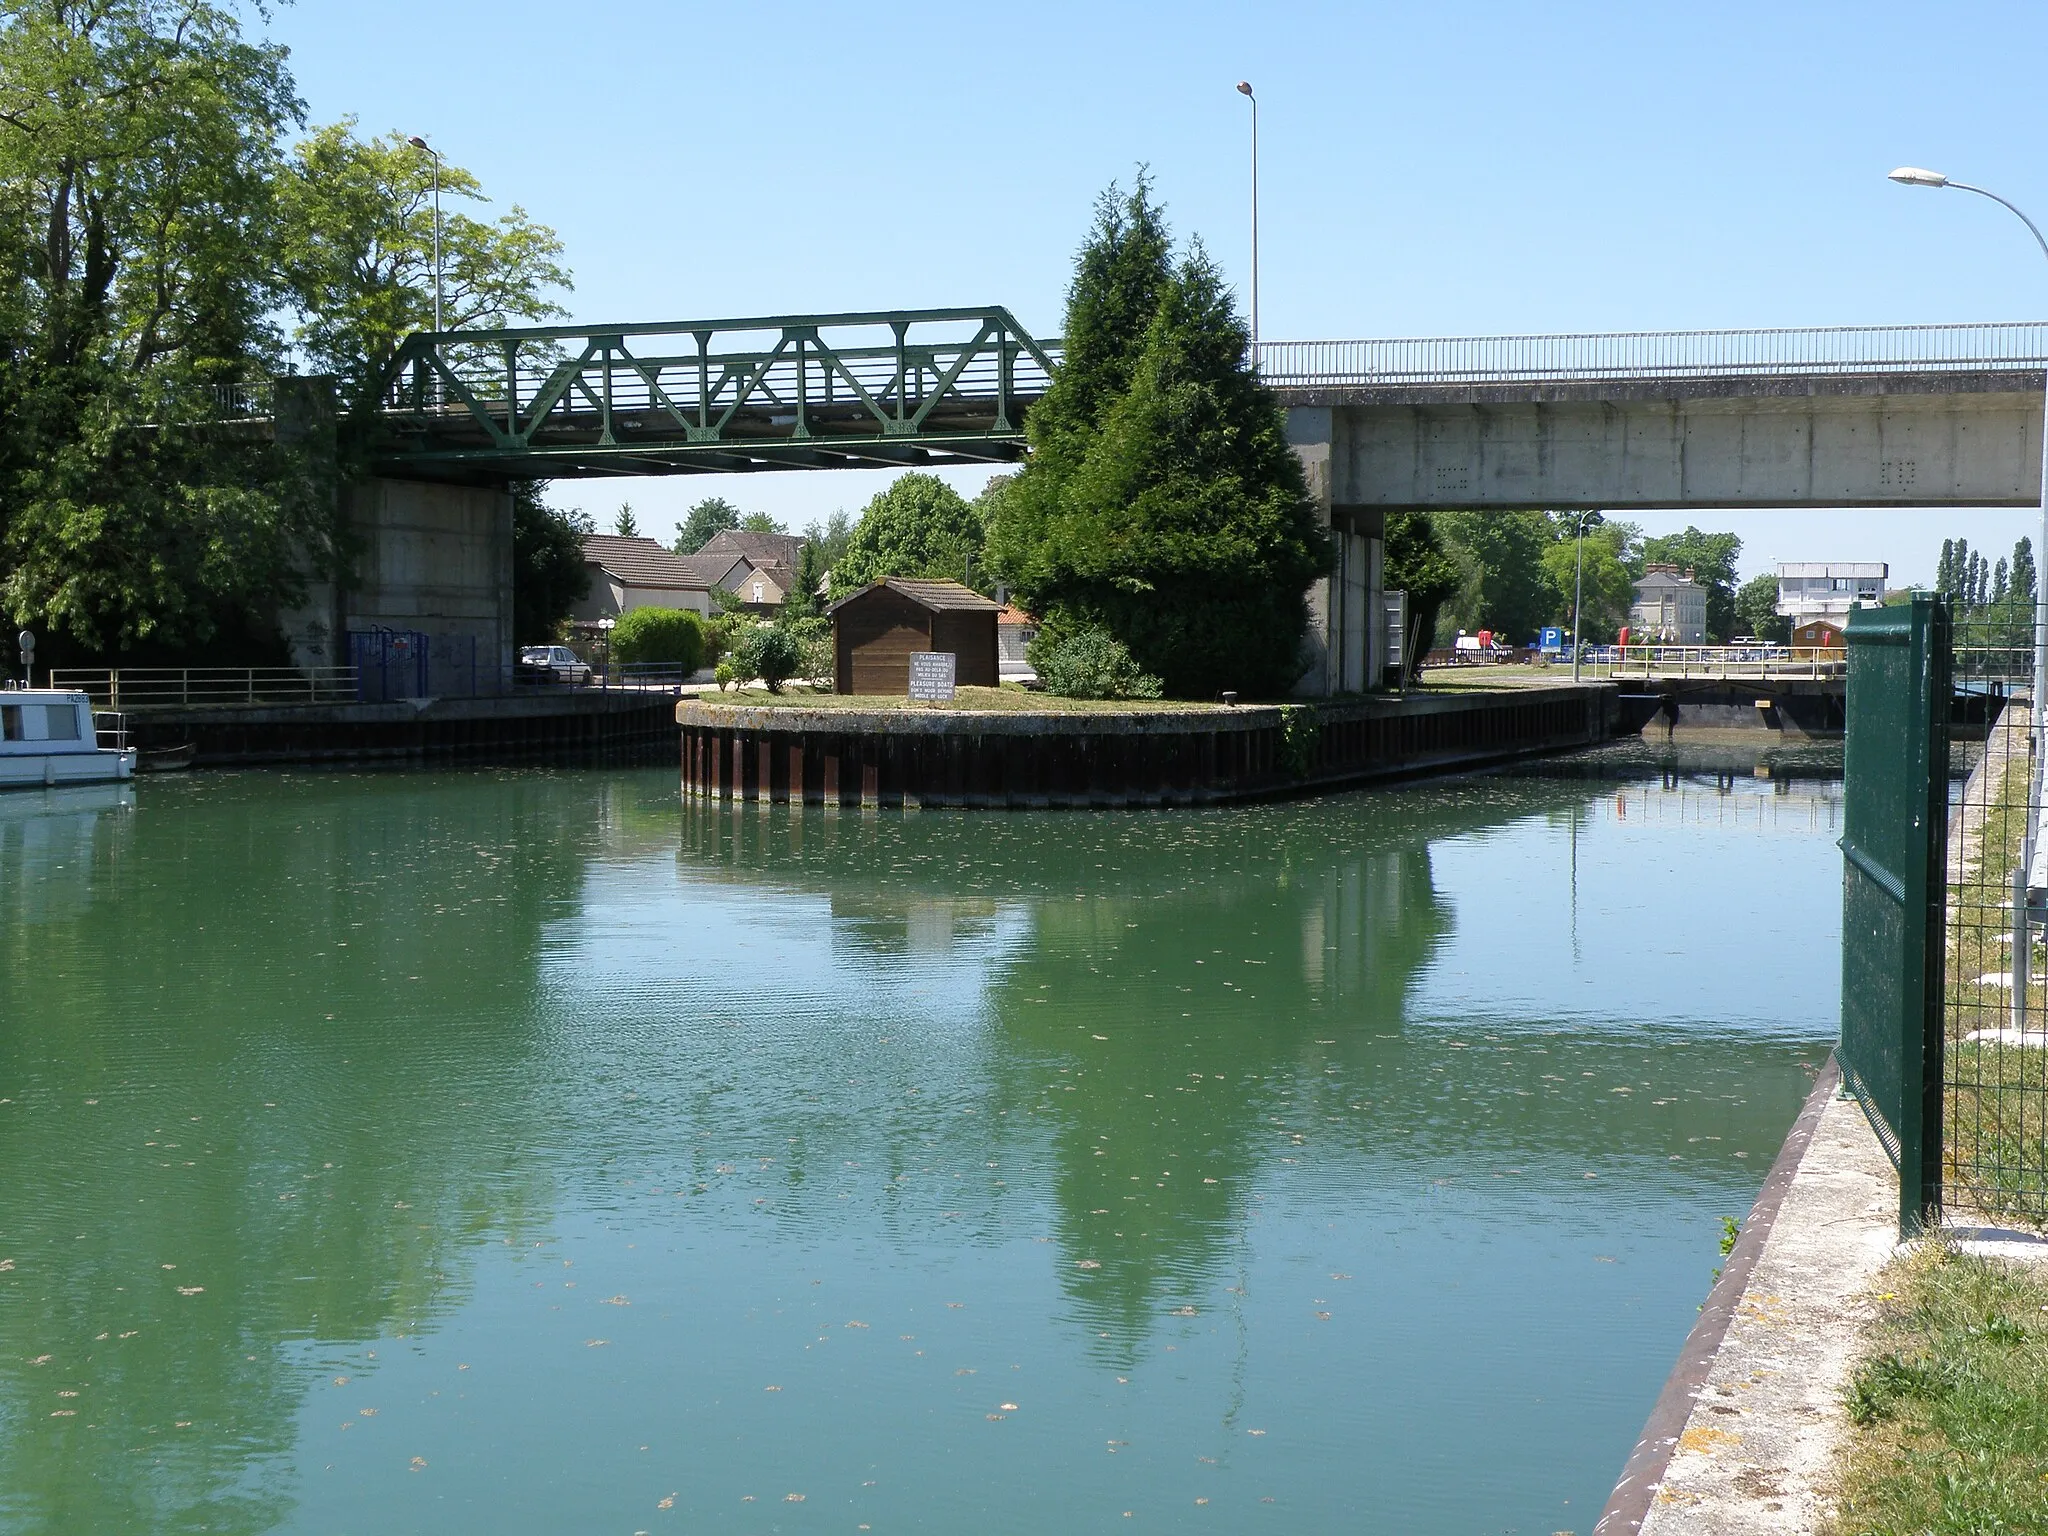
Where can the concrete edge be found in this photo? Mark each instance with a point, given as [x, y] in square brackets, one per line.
[1629, 1504]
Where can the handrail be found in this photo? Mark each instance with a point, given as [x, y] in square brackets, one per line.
[1567, 356]
[126, 688]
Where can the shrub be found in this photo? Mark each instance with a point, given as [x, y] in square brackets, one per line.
[767, 651]
[673, 636]
[1089, 664]
[813, 637]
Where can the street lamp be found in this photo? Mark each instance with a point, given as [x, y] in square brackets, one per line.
[1244, 89]
[424, 147]
[1915, 176]
[1578, 594]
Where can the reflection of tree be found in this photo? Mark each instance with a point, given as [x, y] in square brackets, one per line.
[281, 1044]
[1162, 1136]
[1316, 916]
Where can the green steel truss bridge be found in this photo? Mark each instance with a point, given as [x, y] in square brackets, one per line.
[925, 388]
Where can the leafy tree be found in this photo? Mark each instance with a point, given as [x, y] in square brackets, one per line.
[1162, 502]
[830, 537]
[704, 522]
[137, 229]
[357, 224]
[2023, 572]
[1998, 581]
[760, 522]
[1608, 589]
[670, 636]
[1945, 568]
[627, 526]
[549, 574]
[1712, 557]
[919, 526]
[1756, 605]
[1505, 587]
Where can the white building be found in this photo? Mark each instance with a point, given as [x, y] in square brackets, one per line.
[1818, 589]
[1669, 608]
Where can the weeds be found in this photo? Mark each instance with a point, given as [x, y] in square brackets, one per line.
[1949, 1412]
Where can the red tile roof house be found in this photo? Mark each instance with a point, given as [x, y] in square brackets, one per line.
[1015, 630]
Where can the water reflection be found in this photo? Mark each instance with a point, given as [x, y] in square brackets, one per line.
[792, 1145]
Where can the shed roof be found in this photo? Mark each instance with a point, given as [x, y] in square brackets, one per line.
[938, 596]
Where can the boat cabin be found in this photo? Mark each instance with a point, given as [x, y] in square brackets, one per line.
[47, 736]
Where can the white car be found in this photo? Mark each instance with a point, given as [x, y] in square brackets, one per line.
[560, 660]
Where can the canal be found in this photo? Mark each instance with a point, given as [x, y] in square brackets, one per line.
[524, 1152]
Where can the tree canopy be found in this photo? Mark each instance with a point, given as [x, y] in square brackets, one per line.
[549, 574]
[1711, 557]
[155, 234]
[704, 522]
[919, 526]
[1161, 502]
[356, 249]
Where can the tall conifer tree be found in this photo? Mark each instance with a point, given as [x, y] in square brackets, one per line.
[1162, 501]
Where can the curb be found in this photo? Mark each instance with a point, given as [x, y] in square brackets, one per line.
[1629, 1505]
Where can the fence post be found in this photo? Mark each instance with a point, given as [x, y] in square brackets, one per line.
[1894, 887]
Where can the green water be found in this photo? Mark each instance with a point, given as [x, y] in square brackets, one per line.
[524, 1152]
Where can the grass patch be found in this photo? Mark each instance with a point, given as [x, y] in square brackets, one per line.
[1949, 1409]
[1995, 1109]
[1009, 698]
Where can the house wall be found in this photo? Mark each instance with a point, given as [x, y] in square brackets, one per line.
[971, 637]
[872, 638]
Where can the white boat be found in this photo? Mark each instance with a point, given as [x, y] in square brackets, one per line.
[48, 736]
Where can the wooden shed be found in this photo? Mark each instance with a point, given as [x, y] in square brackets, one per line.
[875, 630]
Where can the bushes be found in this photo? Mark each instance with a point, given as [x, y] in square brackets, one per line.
[671, 636]
[1089, 664]
[771, 652]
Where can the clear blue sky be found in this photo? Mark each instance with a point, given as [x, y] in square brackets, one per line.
[1443, 169]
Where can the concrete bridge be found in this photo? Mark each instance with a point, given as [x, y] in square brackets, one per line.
[1834, 417]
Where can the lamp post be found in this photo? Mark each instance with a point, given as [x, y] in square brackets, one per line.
[1578, 594]
[1244, 89]
[424, 147]
[1915, 176]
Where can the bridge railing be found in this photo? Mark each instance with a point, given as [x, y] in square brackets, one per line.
[1837, 349]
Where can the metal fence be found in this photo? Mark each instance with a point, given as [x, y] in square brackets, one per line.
[1945, 907]
[125, 688]
[1835, 349]
[1894, 816]
[1993, 1026]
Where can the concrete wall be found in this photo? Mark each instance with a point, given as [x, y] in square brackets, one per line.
[1626, 448]
[433, 558]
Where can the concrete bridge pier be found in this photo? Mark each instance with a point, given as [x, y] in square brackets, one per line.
[430, 557]
[1345, 639]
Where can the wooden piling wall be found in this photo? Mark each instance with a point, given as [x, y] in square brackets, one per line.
[1000, 759]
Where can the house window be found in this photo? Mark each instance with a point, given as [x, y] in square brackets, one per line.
[757, 591]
